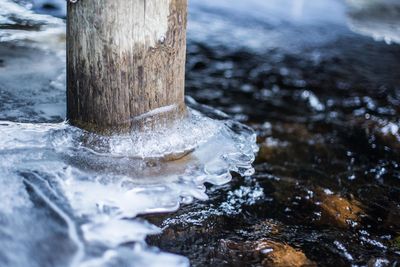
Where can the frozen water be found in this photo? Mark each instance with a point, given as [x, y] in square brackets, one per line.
[72, 198]
[104, 187]
[21, 24]
[378, 19]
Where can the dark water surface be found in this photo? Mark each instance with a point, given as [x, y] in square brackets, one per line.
[325, 102]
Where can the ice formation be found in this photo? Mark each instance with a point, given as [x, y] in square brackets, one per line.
[85, 191]
[104, 185]
[378, 19]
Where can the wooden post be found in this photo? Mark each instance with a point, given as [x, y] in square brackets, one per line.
[125, 62]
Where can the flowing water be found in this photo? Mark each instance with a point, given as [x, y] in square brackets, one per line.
[318, 81]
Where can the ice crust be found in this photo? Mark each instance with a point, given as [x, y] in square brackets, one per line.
[98, 185]
[378, 19]
[41, 29]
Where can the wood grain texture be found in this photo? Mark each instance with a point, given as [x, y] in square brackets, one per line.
[125, 58]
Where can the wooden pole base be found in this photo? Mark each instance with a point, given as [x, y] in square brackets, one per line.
[125, 63]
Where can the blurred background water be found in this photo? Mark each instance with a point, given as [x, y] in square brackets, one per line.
[319, 81]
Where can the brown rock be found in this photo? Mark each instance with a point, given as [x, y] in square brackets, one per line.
[338, 211]
[265, 252]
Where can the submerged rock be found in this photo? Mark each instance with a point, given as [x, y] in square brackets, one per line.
[263, 251]
[338, 211]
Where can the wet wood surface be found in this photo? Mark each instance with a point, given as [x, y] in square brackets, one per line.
[125, 63]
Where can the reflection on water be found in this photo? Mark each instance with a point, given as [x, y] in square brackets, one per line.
[324, 102]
